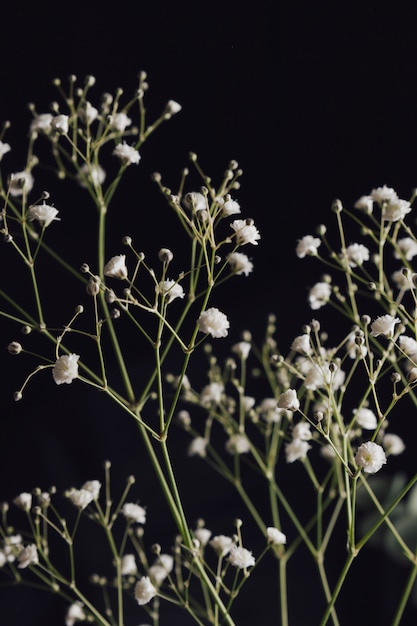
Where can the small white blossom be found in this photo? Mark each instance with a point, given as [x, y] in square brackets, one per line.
[383, 194]
[202, 535]
[89, 113]
[295, 450]
[127, 154]
[161, 568]
[172, 108]
[4, 149]
[408, 345]
[41, 122]
[91, 172]
[213, 322]
[241, 558]
[19, 182]
[307, 246]
[23, 501]
[212, 394]
[370, 456]
[301, 431]
[275, 537]
[116, 267]
[230, 207]
[237, 444]
[393, 444]
[221, 544]
[246, 232]
[319, 295]
[357, 254]
[44, 213]
[289, 401]
[197, 447]
[60, 124]
[128, 566]
[366, 418]
[28, 556]
[269, 411]
[170, 289]
[75, 613]
[93, 486]
[407, 248]
[144, 590]
[242, 349]
[240, 263]
[120, 122]
[134, 513]
[401, 280]
[302, 344]
[395, 210]
[365, 204]
[80, 498]
[195, 201]
[353, 348]
[65, 369]
[384, 325]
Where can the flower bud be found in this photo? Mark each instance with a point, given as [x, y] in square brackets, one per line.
[14, 347]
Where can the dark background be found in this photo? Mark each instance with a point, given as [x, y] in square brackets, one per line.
[314, 100]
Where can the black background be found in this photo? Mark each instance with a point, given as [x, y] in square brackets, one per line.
[314, 100]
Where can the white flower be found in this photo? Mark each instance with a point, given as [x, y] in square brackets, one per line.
[240, 263]
[384, 325]
[366, 418]
[172, 108]
[128, 566]
[407, 248]
[211, 394]
[75, 613]
[221, 544]
[230, 207]
[59, 123]
[91, 173]
[120, 122]
[302, 344]
[127, 154]
[41, 122]
[80, 498]
[402, 280]
[197, 447]
[44, 213]
[116, 267]
[408, 345]
[202, 535]
[395, 210]
[89, 113]
[289, 401]
[4, 149]
[296, 449]
[28, 556]
[134, 513]
[383, 194]
[170, 289]
[301, 431]
[275, 537]
[23, 501]
[19, 182]
[319, 295]
[237, 444]
[240, 557]
[246, 232]
[365, 203]
[269, 411]
[242, 349]
[353, 348]
[65, 369]
[161, 568]
[213, 322]
[370, 457]
[144, 590]
[93, 486]
[307, 246]
[195, 201]
[357, 254]
[393, 444]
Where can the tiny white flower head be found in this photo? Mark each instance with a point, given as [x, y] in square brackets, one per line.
[212, 394]
[393, 444]
[408, 345]
[129, 567]
[353, 348]
[116, 267]
[91, 173]
[89, 113]
[302, 344]
[41, 122]
[407, 248]
[65, 369]
[357, 254]
[202, 535]
[370, 456]
[161, 569]
[240, 557]
[4, 149]
[28, 556]
[120, 122]
[319, 295]
[93, 486]
[170, 289]
[289, 401]
[197, 447]
[60, 124]
[383, 194]
[80, 498]
[75, 613]
[269, 411]
[366, 418]
[172, 108]
[365, 204]
[44, 213]
[221, 544]
[213, 322]
[384, 325]
[301, 431]
[19, 182]
[275, 537]
[144, 590]
[242, 349]
[23, 501]
[245, 232]
[134, 513]
[230, 207]
[307, 246]
[240, 263]
[127, 154]
[395, 210]
[195, 201]
[237, 444]
[296, 450]
[401, 280]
